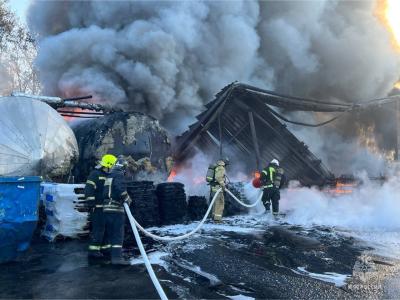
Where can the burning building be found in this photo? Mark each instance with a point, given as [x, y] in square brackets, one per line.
[241, 123]
[238, 123]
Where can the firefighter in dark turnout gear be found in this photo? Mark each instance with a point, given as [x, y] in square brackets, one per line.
[115, 195]
[94, 197]
[272, 179]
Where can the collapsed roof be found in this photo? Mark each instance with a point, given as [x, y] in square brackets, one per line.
[239, 124]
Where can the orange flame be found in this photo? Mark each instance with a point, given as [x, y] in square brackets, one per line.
[343, 188]
[388, 12]
[172, 175]
[70, 109]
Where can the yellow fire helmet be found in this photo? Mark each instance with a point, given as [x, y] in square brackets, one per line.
[108, 161]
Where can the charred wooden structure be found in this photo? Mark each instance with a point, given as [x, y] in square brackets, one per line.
[240, 124]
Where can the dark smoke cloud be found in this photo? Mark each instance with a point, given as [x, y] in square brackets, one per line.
[168, 58]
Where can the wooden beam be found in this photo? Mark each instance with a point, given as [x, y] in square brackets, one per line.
[220, 134]
[255, 141]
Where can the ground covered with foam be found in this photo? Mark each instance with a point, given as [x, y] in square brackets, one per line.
[246, 257]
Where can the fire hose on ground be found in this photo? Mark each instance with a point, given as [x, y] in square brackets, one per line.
[198, 227]
[135, 224]
[149, 268]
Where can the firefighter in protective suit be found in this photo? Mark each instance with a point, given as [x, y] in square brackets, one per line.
[272, 179]
[217, 183]
[115, 195]
[94, 197]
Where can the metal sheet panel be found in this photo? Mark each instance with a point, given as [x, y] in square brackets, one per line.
[34, 139]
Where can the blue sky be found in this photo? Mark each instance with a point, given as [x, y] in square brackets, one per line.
[20, 7]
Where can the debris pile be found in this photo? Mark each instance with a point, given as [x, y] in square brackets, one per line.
[231, 206]
[197, 207]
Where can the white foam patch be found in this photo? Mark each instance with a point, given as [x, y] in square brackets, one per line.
[335, 278]
[385, 243]
[155, 258]
[240, 297]
[370, 213]
[240, 224]
[197, 270]
[372, 206]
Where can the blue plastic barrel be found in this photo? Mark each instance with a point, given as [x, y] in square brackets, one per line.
[19, 200]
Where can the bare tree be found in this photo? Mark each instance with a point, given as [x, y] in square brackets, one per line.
[18, 51]
[7, 23]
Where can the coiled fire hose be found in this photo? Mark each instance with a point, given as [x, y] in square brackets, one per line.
[135, 224]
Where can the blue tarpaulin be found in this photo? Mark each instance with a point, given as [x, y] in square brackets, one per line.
[19, 200]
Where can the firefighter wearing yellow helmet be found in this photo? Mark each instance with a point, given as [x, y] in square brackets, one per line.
[94, 197]
[217, 179]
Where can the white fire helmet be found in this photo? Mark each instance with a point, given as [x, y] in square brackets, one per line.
[275, 162]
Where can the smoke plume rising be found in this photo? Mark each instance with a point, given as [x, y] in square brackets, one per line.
[168, 58]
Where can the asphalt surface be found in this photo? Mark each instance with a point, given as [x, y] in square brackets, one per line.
[241, 258]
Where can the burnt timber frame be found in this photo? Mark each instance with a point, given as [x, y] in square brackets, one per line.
[246, 129]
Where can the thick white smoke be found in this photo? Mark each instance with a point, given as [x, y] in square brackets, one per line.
[168, 58]
[373, 206]
[343, 156]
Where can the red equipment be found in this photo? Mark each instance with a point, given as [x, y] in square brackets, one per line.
[257, 183]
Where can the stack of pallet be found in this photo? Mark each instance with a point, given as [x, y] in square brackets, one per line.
[231, 206]
[172, 202]
[66, 213]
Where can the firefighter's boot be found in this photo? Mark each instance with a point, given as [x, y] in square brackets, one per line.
[120, 261]
[267, 205]
[95, 255]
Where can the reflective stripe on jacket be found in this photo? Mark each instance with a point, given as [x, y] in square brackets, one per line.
[115, 193]
[94, 187]
[272, 176]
